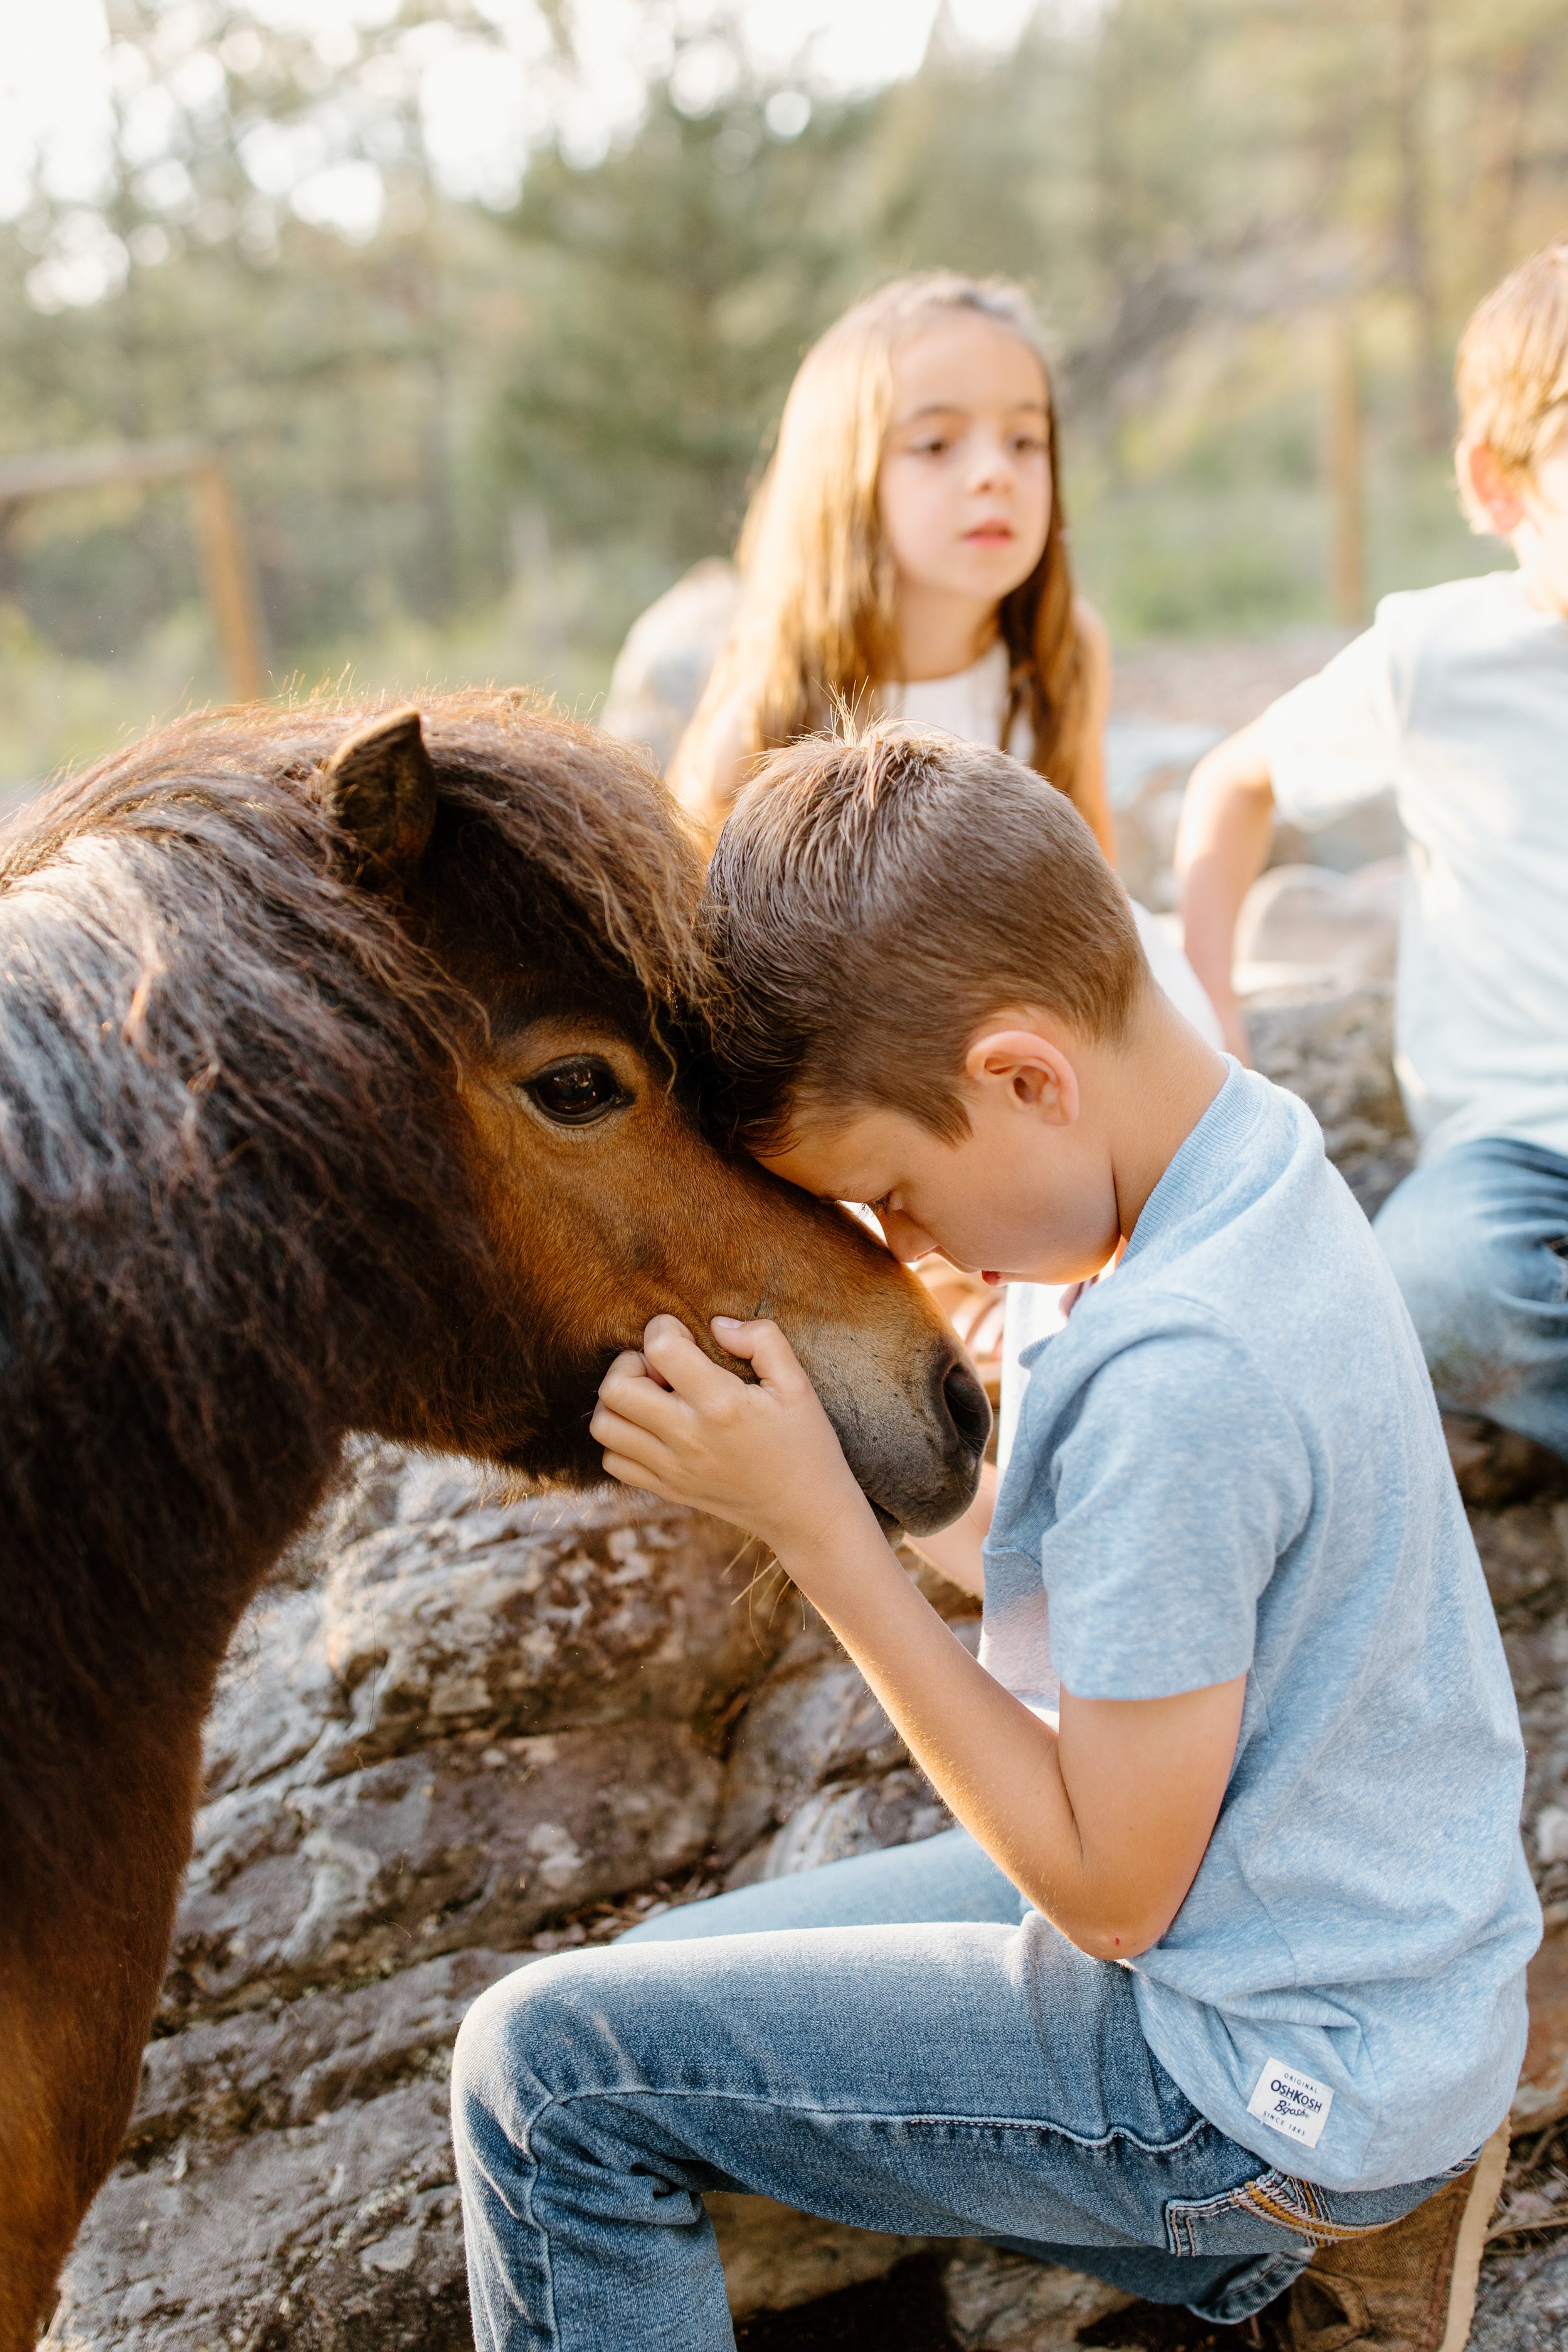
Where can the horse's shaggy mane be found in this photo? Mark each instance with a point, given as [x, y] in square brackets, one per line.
[220, 1167]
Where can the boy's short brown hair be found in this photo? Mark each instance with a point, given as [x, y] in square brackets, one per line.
[1512, 374]
[871, 902]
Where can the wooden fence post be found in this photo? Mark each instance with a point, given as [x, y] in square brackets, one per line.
[226, 576]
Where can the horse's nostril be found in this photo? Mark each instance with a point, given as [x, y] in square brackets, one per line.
[968, 1407]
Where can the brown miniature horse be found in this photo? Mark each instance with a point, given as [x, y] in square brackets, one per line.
[347, 1081]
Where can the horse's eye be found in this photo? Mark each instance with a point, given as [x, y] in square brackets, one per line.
[576, 1093]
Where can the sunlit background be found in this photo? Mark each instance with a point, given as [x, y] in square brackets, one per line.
[483, 308]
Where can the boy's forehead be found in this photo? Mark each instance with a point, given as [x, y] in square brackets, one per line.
[851, 1157]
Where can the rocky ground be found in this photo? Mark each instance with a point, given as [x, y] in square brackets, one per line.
[462, 1728]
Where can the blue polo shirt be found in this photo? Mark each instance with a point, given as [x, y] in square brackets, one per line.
[1229, 1462]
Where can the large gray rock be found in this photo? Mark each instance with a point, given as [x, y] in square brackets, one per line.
[1003, 2302]
[296, 2062]
[815, 1724]
[818, 1773]
[1334, 1047]
[344, 2234]
[532, 1619]
[276, 1698]
[475, 1841]
[459, 1717]
[844, 1820]
[289, 2180]
[465, 1613]
[1307, 923]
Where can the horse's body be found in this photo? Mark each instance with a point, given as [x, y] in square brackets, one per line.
[343, 1085]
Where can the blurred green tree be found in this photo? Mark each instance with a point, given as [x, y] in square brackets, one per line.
[671, 291]
[1192, 188]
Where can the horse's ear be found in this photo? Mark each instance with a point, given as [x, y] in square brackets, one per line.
[379, 790]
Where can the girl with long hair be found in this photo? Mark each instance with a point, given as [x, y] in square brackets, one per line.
[908, 533]
[907, 555]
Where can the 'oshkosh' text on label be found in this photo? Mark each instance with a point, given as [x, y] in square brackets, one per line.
[1292, 2102]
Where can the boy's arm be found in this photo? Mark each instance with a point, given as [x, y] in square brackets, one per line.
[1104, 1826]
[956, 1551]
[1221, 848]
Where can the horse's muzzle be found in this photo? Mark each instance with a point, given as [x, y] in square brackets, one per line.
[924, 1476]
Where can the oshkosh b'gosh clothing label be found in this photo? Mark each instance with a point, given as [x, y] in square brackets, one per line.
[1292, 2102]
[1229, 1465]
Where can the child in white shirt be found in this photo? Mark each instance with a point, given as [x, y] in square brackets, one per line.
[1456, 698]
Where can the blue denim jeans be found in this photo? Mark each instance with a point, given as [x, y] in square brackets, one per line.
[1478, 1243]
[896, 2042]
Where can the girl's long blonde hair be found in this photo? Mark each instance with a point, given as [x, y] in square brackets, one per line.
[815, 633]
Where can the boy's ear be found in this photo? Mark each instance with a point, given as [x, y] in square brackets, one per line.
[1032, 1071]
[1488, 492]
[379, 790]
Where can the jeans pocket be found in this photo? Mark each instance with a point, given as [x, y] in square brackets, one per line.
[1264, 2214]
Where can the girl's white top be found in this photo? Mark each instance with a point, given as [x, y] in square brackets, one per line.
[970, 704]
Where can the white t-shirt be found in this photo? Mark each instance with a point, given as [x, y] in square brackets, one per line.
[1457, 699]
[971, 704]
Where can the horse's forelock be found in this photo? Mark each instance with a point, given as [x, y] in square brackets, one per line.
[570, 815]
[583, 820]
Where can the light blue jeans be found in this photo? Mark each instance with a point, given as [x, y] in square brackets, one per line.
[896, 2042]
[1478, 1242]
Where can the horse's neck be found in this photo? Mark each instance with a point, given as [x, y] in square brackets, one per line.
[121, 1615]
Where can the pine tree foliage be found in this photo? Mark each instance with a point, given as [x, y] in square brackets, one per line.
[1192, 187]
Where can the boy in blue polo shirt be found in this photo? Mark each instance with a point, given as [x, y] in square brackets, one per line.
[1218, 1991]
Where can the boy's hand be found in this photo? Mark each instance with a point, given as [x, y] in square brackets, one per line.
[765, 1456]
